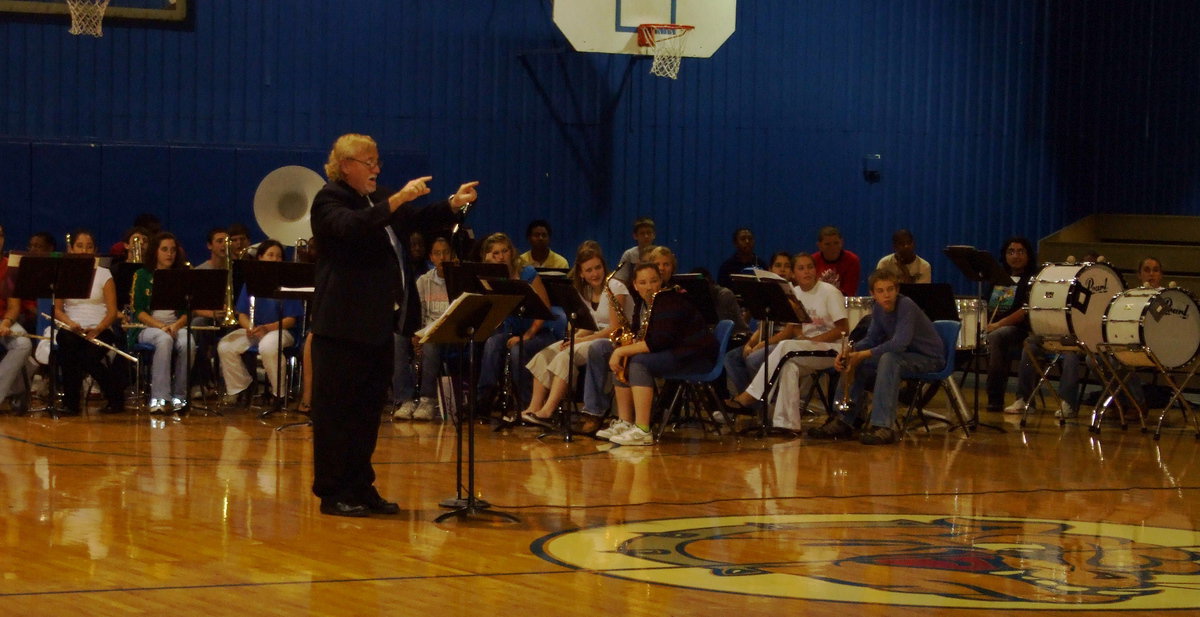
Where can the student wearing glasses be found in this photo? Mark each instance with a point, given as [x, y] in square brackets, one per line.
[1008, 323]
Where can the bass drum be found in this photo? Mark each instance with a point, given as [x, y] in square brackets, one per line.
[1162, 321]
[1068, 301]
[858, 307]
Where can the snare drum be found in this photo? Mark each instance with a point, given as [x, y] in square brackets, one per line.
[857, 307]
[1162, 321]
[1069, 300]
[970, 313]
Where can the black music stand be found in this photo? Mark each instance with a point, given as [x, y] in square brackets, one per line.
[563, 294]
[699, 293]
[769, 301]
[530, 307]
[463, 277]
[56, 278]
[978, 266]
[193, 290]
[269, 279]
[469, 319]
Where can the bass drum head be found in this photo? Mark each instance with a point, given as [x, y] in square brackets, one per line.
[1171, 328]
[1096, 285]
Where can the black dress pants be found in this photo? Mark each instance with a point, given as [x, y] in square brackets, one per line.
[350, 385]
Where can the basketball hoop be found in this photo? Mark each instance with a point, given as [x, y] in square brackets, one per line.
[666, 41]
[86, 16]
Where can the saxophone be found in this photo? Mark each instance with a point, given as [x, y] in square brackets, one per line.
[623, 334]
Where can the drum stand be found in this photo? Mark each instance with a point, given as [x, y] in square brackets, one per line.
[1056, 348]
[1113, 376]
[1184, 407]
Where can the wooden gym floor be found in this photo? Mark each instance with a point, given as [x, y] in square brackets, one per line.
[133, 514]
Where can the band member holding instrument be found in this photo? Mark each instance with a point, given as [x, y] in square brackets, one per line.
[165, 330]
[263, 326]
[364, 293]
[672, 337]
[1008, 326]
[498, 248]
[901, 340]
[742, 362]
[549, 366]
[83, 322]
[17, 347]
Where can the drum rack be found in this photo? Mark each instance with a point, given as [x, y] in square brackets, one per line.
[1177, 388]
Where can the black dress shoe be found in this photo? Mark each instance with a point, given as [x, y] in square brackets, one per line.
[379, 505]
[341, 508]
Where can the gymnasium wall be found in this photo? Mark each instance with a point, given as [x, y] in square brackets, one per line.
[989, 118]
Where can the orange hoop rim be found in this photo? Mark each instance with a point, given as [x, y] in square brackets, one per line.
[646, 32]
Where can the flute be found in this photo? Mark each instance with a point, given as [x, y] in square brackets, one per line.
[138, 326]
[94, 341]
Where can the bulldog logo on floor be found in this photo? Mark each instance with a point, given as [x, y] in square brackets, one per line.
[915, 560]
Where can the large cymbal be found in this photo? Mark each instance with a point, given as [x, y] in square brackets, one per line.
[283, 200]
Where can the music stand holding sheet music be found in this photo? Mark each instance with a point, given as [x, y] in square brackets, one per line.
[978, 266]
[563, 295]
[770, 300]
[469, 319]
[56, 278]
[269, 279]
[191, 290]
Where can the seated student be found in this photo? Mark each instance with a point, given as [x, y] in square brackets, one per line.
[1008, 326]
[741, 363]
[539, 254]
[165, 330]
[271, 321]
[643, 234]
[826, 306]
[835, 265]
[549, 366]
[901, 339]
[597, 378]
[16, 346]
[85, 320]
[904, 261]
[435, 299]
[672, 338]
[743, 257]
[523, 334]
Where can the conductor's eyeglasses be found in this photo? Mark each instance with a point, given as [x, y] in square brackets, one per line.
[377, 163]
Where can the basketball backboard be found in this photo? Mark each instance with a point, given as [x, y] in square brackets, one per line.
[610, 26]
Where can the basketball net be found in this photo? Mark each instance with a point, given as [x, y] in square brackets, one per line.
[666, 41]
[86, 16]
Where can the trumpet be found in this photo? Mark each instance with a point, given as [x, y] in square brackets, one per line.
[136, 250]
[844, 403]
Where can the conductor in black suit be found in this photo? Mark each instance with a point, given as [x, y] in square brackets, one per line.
[364, 292]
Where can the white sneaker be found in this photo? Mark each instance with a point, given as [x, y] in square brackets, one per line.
[633, 437]
[178, 403]
[1066, 412]
[404, 411]
[426, 409]
[1017, 406]
[617, 427]
[158, 405]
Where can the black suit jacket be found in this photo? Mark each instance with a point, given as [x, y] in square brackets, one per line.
[357, 274]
